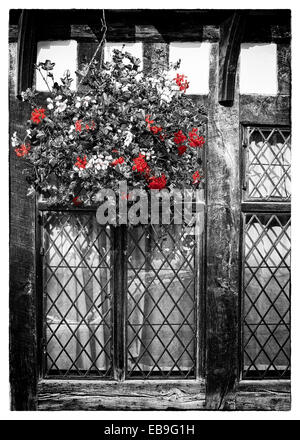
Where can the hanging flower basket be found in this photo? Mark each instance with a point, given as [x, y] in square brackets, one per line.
[121, 124]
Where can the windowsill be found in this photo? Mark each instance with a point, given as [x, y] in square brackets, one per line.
[129, 395]
[263, 395]
[258, 383]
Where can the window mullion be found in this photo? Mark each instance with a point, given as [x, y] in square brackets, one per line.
[119, 301]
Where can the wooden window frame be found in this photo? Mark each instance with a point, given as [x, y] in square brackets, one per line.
[258, 394]
[117, 392]
[259, 206]
[119, 315]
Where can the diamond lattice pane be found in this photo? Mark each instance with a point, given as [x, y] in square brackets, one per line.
[266, 330]
[77, 295]
[161, 317]
[269, 163]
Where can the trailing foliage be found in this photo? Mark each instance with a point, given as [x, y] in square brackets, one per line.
[121, 124]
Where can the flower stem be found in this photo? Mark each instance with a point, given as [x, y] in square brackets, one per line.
[104, 29]
[46, 82]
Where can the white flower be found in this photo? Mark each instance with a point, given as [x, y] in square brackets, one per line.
[61, 106]
[78, 102]
[139, 76]
[99, 163]
[166, 95]
[15, 140]
[86, 101]
[28, 132]
[50, 105]
[126, 61]
[147, 154]
[128, 139]
[81, 171]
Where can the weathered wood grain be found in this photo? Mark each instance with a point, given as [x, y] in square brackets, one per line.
[266, 207]
[268, 27]
[133, 395]
[22, 265]
[27, 47]
[223, 218]
[13, 32]
[183, 31]
[263, 396]
[200, 24]
[231, 34]
[284, 68]
[265, 110]
[155, 54]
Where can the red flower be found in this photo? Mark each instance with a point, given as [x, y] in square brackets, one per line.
[147, 119]
[179, 137]
[194, 139]
[181, 149]
[23, 150]
[37, 115]
[81, 163]
[179, 79]
[89, 127]
[78, 126]
[118, 161]
[196, 177]
[157, 182]
[184, 86]
[155, 130]
[140, 164]
[181, 82]
[76, 201]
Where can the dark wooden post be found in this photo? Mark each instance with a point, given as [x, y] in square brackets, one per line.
[23, 361]
[223, 214]
[27, 47]
[231, 33]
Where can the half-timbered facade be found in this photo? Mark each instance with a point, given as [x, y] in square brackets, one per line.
[210, 330]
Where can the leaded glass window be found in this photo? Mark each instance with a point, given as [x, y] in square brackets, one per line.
[161, 314]
[119, 302]
[77, 295]
[266, 254]
[268, 164]
[266, 295]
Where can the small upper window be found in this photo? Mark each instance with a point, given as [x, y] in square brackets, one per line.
[63, 54]
[258, 74]
[194, 64]
[268, 155]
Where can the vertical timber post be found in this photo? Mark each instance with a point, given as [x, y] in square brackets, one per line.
[223, 217]
[22, 301]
